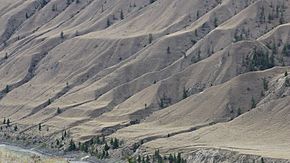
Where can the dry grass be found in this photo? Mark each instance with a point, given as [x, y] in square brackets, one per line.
[104, 78]
[15, 157]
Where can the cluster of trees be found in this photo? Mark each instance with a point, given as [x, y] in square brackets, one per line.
[59, 143]
[157, 158]
[286, 50]
[265, 86]
[277, 12]
[165, 102]
[241, 34]
[72, 146]
[68, 2]
[97, 146]
[109, 23]
[196, 58]
[114, 143]
[7, 122]
[259, 60]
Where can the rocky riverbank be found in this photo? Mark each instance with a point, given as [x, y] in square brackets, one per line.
[222, 156]
[37, 141]
[14, 154]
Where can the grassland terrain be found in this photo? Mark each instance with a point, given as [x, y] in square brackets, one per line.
[204, 78]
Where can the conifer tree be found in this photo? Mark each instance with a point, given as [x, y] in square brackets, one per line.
[39, 126]
[108, 22]
[253, 103]
[58, 111]
[150, 38]
[6, 56]
[72, 145]
[8, 122]
[106, 147]
[168, 50]
[121, 15]
[7, 89]
[61, 35]
[115, 143]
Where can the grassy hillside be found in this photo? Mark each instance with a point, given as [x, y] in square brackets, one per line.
[174, 75]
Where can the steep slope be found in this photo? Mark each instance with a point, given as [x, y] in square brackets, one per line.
[147, 71]
[250, 133]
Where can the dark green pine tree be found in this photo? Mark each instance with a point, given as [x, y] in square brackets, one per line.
[39, 126]
[8, 122]
[72, 145]
[115, 143]
[57, 142]
[121, 15]
[97, 140]
[61, 35]
[58, 111]
[253, 103]
[108, 22]
[6, 89]
[106, 147]
[6, 56]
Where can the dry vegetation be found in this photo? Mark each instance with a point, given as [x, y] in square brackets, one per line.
[15, 157]
[163, 76]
